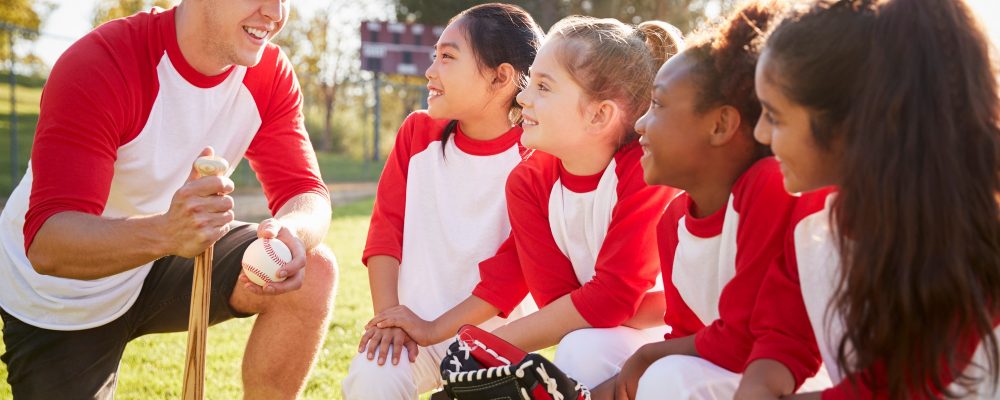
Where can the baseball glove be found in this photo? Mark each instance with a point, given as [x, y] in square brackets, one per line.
[481, 366]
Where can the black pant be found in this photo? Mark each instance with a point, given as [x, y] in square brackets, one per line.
[49, 364]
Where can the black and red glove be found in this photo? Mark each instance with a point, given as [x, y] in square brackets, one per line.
[481, 366]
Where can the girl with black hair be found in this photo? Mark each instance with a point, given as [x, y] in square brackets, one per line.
[440, 206]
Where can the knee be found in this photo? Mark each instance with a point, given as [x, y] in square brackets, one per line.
[315, 298]
[367, 380]
[666, 375]
[688, 378]
[576, 357]
[572, 347]
[321, 266]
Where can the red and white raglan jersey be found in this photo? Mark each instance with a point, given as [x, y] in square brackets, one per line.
[792, 321]
[123, 117]
[713, 266]
[591, 237]
[441, 212]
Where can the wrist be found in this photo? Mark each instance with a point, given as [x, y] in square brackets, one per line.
[380, 306]
[439, 331]
[159, 238]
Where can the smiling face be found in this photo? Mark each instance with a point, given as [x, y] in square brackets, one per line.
[458, 87]
[236, 31]
[673, 134]
[785, 126]
[553, 105]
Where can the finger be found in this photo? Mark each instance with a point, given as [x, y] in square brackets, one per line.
[251, 287]
[397, 347]
[210, 186]
[268, 229]
[293, 283]
[383, 348]
[216, 204]
[375, 320]
[223, 220]
[374, 342]
[296, 247]
[364, 339]
[292, 268]
[371, 322]
[630, 389]
[620, 393]
[412, 349]
[389, 322]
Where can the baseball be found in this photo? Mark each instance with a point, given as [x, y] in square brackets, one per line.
[263, 258]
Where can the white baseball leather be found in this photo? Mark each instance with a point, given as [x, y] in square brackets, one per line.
[263, 258]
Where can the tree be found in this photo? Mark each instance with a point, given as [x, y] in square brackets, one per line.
[319, 63]
[323, 48]
[107, 10]
[687, 15]
[22, 16]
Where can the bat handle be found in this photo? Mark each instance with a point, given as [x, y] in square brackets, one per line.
[211, 165]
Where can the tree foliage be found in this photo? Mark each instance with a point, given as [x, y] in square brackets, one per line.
[23, 18]
[685, 14]
[107, 10]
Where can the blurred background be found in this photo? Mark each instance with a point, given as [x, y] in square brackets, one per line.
[324, 39]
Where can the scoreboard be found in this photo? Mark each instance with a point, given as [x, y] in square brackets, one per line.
[397, 48]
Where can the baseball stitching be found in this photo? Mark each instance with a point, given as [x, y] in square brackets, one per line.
[272, 255]
[260, 274]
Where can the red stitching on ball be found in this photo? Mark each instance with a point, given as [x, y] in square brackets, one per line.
[271, 254]
[260, 274]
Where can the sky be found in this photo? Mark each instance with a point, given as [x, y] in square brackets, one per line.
[71, 19]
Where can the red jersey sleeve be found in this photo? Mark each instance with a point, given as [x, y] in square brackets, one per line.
[281, 154]
[501, 281]
[764, 207]
[92, 103]
[780, 323]
[628, 263]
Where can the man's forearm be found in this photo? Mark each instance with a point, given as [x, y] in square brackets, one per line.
[83, 246]
[308, 216]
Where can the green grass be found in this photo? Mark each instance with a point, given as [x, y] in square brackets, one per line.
[335, 168]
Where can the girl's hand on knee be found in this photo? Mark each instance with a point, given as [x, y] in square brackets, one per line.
[381, 342]
[416, 328]
[628, 379]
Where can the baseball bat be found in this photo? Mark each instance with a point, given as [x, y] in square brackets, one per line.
[194, 364]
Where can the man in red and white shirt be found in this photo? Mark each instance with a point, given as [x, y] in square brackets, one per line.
[97, 241]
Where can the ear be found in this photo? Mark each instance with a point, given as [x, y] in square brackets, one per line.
[726, 127]
[601, 115]
[504, 76]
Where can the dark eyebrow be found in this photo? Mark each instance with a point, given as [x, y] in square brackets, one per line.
[541, 75]
[769, 107]
[447, 44]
